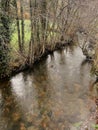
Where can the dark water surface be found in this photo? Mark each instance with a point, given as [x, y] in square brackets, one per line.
[55, 95]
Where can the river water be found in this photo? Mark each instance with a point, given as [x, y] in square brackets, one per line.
[54, 95]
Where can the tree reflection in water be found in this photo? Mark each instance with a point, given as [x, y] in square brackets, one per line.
[52, 96]
[11, 116]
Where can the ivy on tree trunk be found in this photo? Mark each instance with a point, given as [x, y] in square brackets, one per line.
[5, 22]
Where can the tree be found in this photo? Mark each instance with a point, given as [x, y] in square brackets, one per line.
[5, 36]
[18, 27]
[22, 24]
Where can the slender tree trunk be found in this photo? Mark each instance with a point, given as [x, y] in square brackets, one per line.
[43, 15]
[18, 27]
[31, 54]
[36, 23]
[22, 24]
[43, 23]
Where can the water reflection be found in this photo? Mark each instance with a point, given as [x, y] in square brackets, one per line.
[11, 115]
[91, 123]
[53, 96]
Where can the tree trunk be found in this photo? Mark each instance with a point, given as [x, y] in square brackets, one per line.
[43, 23]
[31, 54]
[18, 27]
[43, 16]
[22, 24]
[4, 38]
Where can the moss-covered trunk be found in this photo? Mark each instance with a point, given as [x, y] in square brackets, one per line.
[4, 37]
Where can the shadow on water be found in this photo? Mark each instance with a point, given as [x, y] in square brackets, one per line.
[55, 95]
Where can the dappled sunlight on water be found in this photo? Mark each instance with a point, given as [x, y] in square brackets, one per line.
[54, 95]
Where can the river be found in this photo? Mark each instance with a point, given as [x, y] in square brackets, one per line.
[54, 95]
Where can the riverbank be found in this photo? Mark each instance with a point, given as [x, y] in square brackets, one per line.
[19, 67]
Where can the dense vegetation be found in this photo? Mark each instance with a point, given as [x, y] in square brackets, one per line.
[31, 28]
